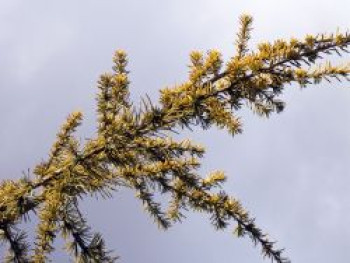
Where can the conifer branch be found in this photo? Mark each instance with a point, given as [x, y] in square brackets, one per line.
[18, 250]
[132, 150]
[91, 245]
[243, 35]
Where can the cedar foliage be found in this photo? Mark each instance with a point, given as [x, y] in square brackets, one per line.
[133, 147]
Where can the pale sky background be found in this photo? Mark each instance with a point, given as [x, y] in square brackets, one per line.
[291, 171]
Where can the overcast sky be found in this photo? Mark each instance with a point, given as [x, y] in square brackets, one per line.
[291, 171]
